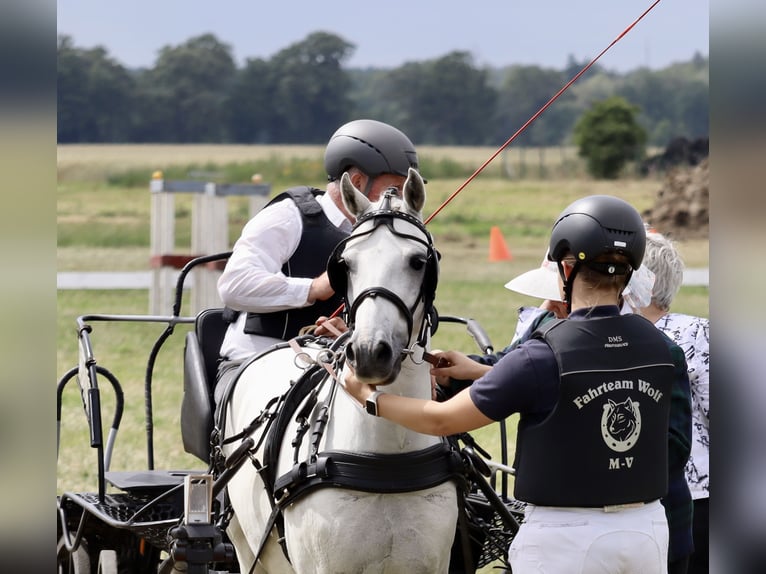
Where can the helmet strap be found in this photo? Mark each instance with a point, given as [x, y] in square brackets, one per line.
[568, 282]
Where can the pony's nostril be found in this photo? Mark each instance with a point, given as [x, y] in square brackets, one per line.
[383, 353]
[350, 353]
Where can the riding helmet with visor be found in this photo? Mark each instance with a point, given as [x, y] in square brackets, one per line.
[594, 226]
[372, 146]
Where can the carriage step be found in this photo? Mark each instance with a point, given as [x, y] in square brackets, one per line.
[126, 511]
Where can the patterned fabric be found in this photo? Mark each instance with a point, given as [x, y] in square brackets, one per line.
[692, 334]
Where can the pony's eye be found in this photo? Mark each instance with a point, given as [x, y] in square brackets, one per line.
[417, 262]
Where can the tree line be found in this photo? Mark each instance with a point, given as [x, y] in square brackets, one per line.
[196, 93]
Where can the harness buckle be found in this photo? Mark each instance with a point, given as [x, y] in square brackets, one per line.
[284, 496]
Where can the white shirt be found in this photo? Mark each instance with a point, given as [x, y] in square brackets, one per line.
[253, 280]
[692, 334]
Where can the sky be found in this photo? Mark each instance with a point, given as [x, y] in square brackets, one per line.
[390, 33]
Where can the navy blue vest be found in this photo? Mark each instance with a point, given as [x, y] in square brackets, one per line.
[317, 243]
[606, 441]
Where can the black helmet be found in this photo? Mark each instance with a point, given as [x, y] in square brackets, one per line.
[372, 146]
[596, 225]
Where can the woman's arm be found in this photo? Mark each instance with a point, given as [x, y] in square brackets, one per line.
[456, 415]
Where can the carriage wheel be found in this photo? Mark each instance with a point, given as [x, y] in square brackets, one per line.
[107, 562]
[77, 562]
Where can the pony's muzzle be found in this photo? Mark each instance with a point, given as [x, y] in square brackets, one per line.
[374, 362]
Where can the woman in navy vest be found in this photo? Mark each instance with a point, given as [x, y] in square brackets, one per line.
[594, 395]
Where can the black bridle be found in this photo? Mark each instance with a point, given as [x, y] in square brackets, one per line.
[338, 272]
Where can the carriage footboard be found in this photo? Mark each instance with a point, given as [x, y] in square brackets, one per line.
[122, 511]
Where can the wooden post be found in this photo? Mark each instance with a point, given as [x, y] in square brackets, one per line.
[209, 235]
[163, 233]
[210, 227]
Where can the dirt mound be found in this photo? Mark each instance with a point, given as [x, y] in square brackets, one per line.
[682, 207]
[680, 151]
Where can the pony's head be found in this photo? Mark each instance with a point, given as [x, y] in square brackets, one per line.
[386, 271]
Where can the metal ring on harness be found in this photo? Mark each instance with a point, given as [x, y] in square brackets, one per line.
[412, 353]
[303, 360]
[326, 356]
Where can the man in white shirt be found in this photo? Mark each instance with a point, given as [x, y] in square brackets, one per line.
[276, 281]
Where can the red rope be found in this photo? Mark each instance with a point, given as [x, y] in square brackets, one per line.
[529, 121]
[537, 114]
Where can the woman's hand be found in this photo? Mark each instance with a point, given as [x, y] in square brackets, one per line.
[359, 391]
[558, 308]
[456, 366]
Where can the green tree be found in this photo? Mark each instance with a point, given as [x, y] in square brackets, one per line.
[367, 87]
[657, 98]
[70, 94]
[310, 89]
[574, 67]
[446, 101]
[95, 95]
[694, 110]
[248, 107]
[186, 90]
[526, 89]
[675, 98]
[608, 136]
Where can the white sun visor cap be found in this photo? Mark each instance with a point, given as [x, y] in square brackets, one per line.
[543, 283]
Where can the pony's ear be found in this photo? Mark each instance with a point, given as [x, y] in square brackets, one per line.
[414, 191]
[354, 200]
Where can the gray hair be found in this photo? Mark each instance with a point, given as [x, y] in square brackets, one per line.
[662, 259]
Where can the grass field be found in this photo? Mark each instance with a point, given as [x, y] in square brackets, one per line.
[103, 225]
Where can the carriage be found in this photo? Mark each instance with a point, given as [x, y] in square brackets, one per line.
[165, 521]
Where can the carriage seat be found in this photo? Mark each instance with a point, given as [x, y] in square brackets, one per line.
[201, 351]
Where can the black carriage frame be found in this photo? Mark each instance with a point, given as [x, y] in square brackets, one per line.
[127, 529]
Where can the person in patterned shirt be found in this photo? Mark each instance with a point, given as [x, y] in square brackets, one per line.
[692, 334]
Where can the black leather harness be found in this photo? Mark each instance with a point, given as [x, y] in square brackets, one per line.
[369, 472]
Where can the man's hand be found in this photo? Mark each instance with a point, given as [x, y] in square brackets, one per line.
[333, 327]
[320, 289]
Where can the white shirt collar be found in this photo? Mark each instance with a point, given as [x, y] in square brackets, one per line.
[333, 213]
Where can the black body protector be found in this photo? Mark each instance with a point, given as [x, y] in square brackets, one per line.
[606, 441]
[317, 243]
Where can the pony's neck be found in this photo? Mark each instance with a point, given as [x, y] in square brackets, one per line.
[352, 428]
[414, 380]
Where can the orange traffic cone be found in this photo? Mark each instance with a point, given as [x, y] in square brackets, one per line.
[498, 250]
